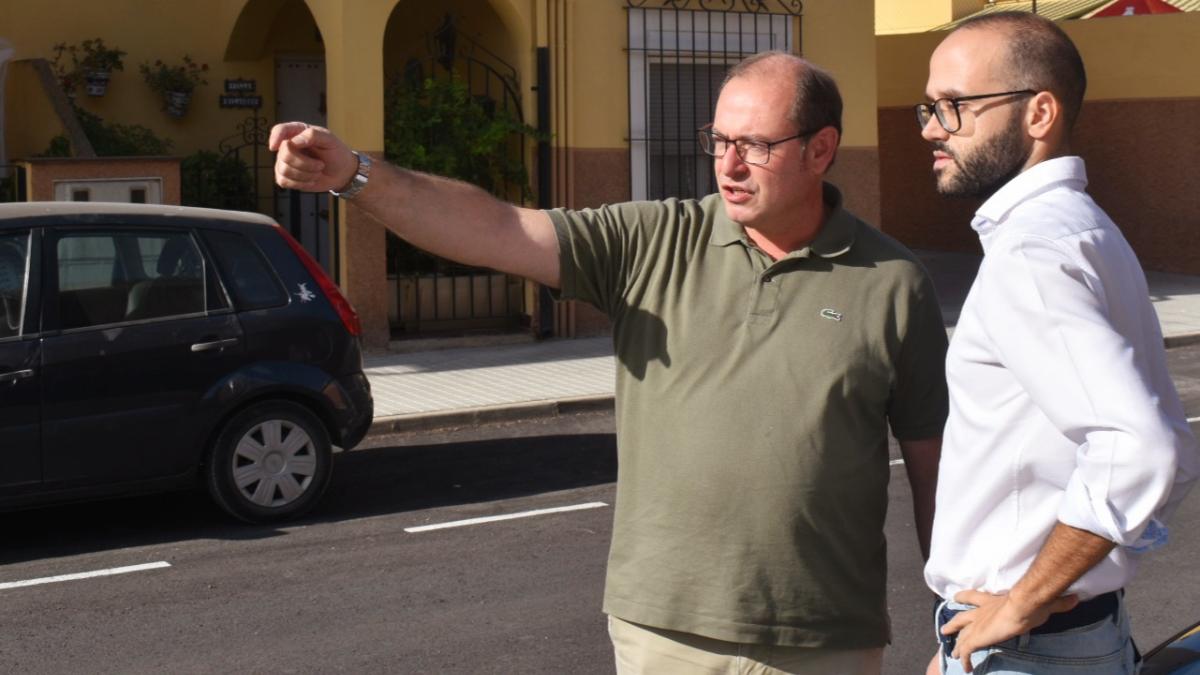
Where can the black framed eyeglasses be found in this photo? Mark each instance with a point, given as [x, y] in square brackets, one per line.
[946, 109]
[750, 152]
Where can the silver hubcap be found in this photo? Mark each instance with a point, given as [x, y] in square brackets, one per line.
[274, 463]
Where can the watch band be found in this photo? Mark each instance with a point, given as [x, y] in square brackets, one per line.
[358, 181]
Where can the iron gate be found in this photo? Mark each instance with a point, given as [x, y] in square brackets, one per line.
[312, 218]
[679, 51]
[432, 295]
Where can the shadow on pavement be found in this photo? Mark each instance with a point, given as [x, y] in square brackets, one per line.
[381, 480]
[394, 479]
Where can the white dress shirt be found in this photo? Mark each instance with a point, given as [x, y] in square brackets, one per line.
[1061, 407]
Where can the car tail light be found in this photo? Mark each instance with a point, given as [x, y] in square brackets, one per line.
[344, 310]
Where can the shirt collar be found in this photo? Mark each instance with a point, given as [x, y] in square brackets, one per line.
[1027, 184]
[835, 237]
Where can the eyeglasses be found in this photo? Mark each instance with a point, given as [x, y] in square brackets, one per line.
[750, 152]
[946, 109]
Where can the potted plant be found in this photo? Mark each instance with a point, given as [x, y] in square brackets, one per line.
[175, 83]
[92, 62]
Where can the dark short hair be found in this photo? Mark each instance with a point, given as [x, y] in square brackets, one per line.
[1040, 57]
[817, 104]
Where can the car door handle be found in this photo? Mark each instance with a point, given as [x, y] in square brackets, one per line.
[217, 344]
[15, 375]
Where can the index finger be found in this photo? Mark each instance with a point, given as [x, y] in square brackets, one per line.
[959, 622]
[283, 132]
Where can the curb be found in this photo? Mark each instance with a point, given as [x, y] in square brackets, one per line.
[507, 412]
[1181, 340]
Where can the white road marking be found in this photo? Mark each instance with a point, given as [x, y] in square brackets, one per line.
[85, 575]
[507, 516]
[1193, 420]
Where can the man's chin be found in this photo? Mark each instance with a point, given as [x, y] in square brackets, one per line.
[738, 213]
[946, 186]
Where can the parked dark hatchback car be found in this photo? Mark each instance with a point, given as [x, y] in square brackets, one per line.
[1178, 656]
[146, 348]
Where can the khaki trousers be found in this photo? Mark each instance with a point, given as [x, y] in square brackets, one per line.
[643, 650]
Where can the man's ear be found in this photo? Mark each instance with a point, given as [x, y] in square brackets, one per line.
[822, 147]
[1043, 115]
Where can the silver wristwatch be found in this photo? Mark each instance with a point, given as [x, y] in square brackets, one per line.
[358, 181]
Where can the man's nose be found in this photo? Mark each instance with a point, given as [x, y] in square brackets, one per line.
[933, 130]
[730, 163]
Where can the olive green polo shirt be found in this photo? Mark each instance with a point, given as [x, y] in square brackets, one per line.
[753, 403]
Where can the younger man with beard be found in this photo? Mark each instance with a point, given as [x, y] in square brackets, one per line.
[1066, 446]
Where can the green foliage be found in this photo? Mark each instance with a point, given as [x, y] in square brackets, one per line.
[60, 146]
[437, 126]
[111, 140]
[181, 78]
[216, 181]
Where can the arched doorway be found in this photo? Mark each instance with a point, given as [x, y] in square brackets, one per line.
[283, 48]
[453, 63]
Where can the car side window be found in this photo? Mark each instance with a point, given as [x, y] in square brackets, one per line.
[14, 268]
[246, 272]
[107, 278]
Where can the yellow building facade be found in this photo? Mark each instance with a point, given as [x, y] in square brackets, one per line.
[611, 76]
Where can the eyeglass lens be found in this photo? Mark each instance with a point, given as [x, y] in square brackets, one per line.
[751, 152]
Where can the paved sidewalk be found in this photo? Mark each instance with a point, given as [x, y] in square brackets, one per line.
[422, 390]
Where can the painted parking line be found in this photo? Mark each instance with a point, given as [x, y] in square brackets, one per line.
[507, 516]
[1193, 420]
[85, 575]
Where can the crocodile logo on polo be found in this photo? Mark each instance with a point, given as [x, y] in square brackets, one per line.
[831, 314]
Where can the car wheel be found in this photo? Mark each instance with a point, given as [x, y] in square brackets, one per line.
[270, 462]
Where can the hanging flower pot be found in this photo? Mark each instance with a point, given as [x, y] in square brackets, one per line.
[90, 63]
[175, 83]
[96, 82]
[177, 103]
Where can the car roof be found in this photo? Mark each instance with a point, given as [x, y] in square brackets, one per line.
[42, 209]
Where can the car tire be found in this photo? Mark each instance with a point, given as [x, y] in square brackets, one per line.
[271, 462]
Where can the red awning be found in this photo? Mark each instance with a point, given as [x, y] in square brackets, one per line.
[1135, 7]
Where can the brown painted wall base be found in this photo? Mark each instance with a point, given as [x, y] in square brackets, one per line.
[365, 278]
[856, 173]
[1142, 159]
[594, 176]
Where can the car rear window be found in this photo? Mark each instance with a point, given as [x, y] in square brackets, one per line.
[110, 277]
[245, 270]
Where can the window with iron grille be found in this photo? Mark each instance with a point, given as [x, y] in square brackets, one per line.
[677, 60]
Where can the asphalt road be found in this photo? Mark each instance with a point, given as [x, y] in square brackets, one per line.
[351, 590]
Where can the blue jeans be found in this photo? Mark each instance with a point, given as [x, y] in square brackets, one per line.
[1102, 648]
